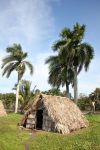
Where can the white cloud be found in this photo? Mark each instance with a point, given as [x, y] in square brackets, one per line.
[28, 20]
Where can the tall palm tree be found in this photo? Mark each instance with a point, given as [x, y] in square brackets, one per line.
[77, 54]
[59, 74]
[15, 61]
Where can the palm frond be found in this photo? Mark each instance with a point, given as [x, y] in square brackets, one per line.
[29, 65]
[7, 60]
[66, 33]
[89, 54]
[78, 32]
[58, 44]
[7, 69]
[51, 59]
[14, 66]
[24, 55]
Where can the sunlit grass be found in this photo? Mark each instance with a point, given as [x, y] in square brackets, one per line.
[13, 138]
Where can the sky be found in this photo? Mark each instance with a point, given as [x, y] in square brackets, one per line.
[36, 25]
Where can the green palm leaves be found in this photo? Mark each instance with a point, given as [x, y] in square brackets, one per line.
[16, 61]
[59, 73]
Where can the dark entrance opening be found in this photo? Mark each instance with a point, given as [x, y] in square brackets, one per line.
[39, 118]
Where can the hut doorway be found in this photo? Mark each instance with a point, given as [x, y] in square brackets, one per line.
[39, 119]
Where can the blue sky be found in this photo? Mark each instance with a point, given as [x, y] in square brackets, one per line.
[36, 24]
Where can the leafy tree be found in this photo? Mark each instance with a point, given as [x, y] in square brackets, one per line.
[75, 53]
[25, 93]
[59, 74]
[84, 102]
[8, 100]
[95, 96]
[54, 91]
[15, 61]
[37, 91]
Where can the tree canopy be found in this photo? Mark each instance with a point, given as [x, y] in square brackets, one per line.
[73, 53]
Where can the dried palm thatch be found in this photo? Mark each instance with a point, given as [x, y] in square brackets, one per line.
[2, 110]
[60, 114]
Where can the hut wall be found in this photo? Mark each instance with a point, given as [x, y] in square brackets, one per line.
[2, 109]
[48, 124]
[31, 120]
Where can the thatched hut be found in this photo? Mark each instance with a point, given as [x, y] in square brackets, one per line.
[54, 113]
[2, 110]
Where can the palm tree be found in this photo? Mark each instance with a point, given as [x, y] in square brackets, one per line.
[25, 92]
[77, 54]
[15, 61]
[59, 74]
[25, 88]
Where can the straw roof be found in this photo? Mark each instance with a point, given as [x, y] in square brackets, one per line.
[62, 111]
[2, 110]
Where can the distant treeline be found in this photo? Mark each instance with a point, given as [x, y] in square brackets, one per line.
[8, 100]
[84, 102]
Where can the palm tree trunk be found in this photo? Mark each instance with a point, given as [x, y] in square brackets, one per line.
[17, 96]
[67, 90]
[75, 85]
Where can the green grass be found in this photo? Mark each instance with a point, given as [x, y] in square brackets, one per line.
[13, 138]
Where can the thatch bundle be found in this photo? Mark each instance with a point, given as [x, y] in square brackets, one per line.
[2, 110]
[59, 114]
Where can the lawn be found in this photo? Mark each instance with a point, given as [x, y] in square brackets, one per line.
[14, 138]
